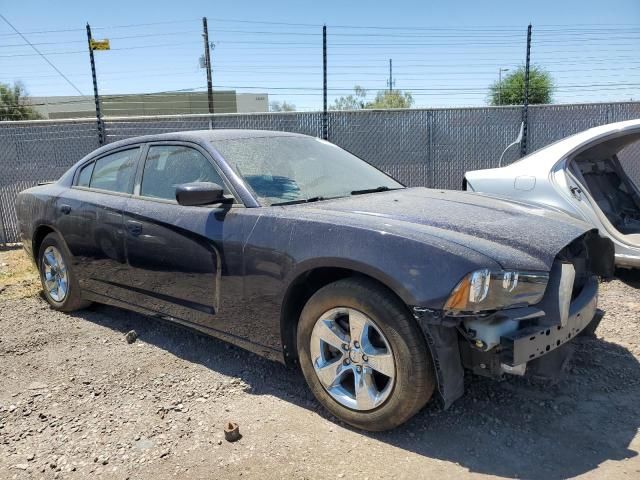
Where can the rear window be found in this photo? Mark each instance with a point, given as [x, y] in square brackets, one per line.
[115, 172]
[84, 179]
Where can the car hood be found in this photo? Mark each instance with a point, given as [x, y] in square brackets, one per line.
[516, 235]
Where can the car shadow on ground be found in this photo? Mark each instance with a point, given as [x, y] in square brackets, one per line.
[515, 428]
[629, 276]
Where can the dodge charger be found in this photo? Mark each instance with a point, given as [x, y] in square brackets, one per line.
[294, 248]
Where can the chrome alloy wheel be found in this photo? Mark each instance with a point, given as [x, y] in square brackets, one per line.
[56, 278]
[352, 359]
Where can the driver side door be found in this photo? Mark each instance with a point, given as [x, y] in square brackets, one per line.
[177, 255]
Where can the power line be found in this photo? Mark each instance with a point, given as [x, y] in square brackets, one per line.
[135, 47]
[497, 29]
[238, 45]
[486, 46]
[495, 36]
[376, 70]
[418, 89]
[42, 55]
[132, 25]
[123, 37]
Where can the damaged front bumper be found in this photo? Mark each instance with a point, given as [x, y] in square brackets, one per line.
[534, 334]
[529, 343]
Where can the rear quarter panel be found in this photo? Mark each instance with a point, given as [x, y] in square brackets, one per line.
[35, 207]
[544, 188]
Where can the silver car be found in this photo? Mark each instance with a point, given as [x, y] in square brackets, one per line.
[583, 176]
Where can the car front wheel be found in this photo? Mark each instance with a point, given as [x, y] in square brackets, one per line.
[363, 356]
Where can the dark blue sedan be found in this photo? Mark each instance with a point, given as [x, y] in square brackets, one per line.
[293, 248]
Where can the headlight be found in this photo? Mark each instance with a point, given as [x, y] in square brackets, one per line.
[484, 290]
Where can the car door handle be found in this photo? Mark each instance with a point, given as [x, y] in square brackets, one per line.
[66, 209]
[134, 228]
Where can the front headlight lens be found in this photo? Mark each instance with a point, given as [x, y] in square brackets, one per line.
[485, 290]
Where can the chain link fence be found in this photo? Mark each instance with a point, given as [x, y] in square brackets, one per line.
[37, 151]
[419, 147]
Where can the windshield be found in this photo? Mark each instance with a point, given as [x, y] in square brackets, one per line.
[299, 169]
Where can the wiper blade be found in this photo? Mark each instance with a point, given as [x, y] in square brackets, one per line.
[302, 200]
[372, 190]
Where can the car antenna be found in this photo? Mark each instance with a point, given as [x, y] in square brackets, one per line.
[517, 142]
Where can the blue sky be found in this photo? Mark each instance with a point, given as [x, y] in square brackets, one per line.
[445, 53]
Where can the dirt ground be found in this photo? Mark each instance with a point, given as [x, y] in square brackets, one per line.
[78, 401]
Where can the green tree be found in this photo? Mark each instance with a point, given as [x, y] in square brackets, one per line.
[511, 91]
[391, 99]
[282, 107]
[355, 101]
[14, 104]
[384, 99]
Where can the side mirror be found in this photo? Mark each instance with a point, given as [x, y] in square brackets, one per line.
[199, 193]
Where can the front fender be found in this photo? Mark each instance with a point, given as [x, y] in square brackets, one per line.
[421, 272]
[353, 265]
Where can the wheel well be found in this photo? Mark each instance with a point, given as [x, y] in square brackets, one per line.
[297, 296]
[38, 236]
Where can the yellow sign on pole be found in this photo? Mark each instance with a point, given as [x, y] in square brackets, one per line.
[100, 44]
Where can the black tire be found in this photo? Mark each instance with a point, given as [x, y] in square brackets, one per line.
[73, 298]
[590, 330]
[415, 379]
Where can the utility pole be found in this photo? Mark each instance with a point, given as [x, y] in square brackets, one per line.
[390, 81]
[325, 119]
[96, 97]
[525, 106]
[207, 63]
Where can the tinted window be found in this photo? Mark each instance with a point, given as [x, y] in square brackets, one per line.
[85, 175]
[168, 166]
[115, 172]
[287, 168]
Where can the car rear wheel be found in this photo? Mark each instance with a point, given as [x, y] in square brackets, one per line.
[59, 284]
[363, 356]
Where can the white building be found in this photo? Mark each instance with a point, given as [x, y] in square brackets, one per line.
[169, 103]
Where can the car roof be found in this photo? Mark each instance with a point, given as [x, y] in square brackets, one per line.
[200, 136]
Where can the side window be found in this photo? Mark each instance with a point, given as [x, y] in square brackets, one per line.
[85, 175]
[168, 166]
[115, 172]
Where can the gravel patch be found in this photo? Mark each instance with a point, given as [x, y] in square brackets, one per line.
[78, 400]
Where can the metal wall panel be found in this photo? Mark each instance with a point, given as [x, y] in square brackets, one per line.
[37, 151]
[430, 147]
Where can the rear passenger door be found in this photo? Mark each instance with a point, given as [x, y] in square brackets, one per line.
[90, 220]
[177, 254]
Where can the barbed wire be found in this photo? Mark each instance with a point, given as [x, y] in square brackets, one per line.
[257, 55]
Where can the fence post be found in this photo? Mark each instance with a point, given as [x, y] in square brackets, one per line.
[525, 106]
[430, 166]
[325, 118]
[96, 97]
[4, 228]
[5, 235]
